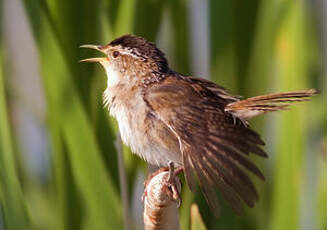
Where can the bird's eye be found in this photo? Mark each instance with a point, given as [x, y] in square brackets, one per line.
[115, 54]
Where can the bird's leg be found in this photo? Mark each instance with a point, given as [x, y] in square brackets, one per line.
[171, 182]
[171, 172]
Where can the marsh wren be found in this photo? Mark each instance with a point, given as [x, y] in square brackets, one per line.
[165, 116]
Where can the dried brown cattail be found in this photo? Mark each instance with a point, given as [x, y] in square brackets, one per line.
[161, 202]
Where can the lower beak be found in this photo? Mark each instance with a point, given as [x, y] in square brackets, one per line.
[94, 59]
[97, 59]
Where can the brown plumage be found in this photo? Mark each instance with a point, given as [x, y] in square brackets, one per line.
[165, 116]
[255, 106]
[214, 148]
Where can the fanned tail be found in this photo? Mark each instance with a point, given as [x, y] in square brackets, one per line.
[254, 106]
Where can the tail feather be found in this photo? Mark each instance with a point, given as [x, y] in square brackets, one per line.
[254, 106]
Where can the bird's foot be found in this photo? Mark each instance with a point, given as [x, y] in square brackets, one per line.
[171, 181]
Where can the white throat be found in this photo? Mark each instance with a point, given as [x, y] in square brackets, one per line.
[113, 76]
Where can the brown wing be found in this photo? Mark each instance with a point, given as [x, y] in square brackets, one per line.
[217, 90]
[214, 149]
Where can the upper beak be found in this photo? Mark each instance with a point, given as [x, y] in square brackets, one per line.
[97, 59]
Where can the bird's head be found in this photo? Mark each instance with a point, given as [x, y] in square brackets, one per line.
[130, 59]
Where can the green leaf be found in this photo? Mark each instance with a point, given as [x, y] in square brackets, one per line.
[292, 64]
[125, 17]
[196, 219]
[152, 21]
[12, 200]
[88, 169]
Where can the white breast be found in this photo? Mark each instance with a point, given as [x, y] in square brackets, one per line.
[140, 143]
[131, 124]
[126, 129]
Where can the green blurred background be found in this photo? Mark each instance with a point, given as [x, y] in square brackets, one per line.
[59, 168]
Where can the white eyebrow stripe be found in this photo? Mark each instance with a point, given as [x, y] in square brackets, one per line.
[132, 52]
[129, 54]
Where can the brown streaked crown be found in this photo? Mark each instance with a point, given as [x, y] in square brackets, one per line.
[144, 49]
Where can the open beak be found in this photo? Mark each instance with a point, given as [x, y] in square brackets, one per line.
[96, 59]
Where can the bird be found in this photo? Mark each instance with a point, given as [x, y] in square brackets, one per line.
[165, 116]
